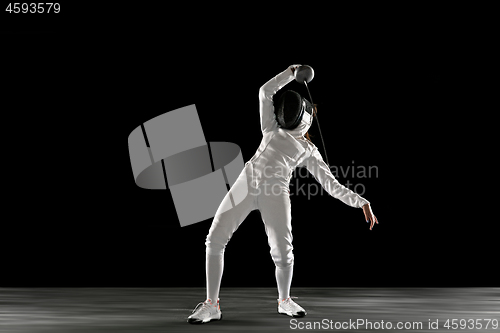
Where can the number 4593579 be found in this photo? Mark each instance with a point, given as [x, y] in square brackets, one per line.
[42, 7]
[470, 323]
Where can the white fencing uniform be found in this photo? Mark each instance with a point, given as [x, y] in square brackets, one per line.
[265, 180]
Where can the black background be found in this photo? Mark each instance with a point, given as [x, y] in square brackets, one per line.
[395, 90]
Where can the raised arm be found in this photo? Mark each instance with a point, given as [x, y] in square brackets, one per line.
[267, 119]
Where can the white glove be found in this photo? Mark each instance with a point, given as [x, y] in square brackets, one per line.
[294, 67]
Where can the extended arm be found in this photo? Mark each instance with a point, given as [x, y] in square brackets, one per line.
[321, 172]
[267, 119]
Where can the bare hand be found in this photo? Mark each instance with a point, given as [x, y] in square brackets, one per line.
[367, 210]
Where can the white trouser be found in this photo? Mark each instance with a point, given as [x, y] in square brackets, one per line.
[272, 198]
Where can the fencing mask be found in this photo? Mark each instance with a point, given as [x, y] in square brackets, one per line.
[289, 109]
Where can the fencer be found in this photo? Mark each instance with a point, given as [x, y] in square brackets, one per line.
[265, 183]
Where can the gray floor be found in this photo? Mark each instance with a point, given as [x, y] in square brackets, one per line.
[244, 309]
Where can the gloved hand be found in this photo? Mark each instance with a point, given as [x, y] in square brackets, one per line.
[294, 67]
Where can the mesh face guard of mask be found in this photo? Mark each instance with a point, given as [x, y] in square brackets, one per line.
[289, 109]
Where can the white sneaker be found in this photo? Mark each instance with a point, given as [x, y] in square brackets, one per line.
[205, 312]
[290, 308]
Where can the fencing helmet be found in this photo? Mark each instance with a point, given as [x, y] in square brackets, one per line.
[290, 108]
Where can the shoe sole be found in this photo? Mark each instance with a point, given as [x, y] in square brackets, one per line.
[199, 322]
[298, 315]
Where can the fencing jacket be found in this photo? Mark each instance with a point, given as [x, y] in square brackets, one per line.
[282, 150]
